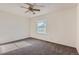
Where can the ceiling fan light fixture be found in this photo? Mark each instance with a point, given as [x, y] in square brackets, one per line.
[30, 8]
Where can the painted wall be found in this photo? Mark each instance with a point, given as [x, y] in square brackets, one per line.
[13, 27]
[77, 28]
[61, 27]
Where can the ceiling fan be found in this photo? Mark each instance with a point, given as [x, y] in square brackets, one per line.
[31, 7]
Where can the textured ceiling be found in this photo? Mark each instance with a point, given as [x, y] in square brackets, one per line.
[47, 7]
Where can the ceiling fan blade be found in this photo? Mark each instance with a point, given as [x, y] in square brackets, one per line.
[36, 9]
[29, 4]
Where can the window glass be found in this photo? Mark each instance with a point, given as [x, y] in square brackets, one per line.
[41, 26]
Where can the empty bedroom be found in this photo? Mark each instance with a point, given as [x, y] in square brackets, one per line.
[39, 29]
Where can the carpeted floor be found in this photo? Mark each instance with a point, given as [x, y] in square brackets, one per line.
[39, 47]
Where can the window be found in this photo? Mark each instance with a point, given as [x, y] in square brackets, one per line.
[42, 26]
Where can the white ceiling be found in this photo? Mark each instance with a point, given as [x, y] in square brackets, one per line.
[48, 7]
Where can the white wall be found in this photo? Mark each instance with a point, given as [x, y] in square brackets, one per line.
[61, 27]
[77, 28]
[13, 27]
